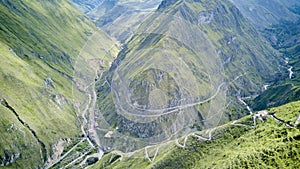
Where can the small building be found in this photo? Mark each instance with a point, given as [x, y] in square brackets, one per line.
[261, 115]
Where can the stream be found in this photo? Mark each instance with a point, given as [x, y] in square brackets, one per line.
[290, 68]
[245, 104]
[290, 72]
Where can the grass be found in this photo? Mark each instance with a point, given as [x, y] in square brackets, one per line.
[268, 145]
[24, 90]
[52, 39]
[40, 40]
[17, 141]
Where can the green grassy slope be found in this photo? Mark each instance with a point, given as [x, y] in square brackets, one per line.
[240, 145]
[38, 30]
[40, 42]
[44, 108]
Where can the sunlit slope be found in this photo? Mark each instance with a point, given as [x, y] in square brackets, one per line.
[38, 30]
[181, 72]
[41, 42]
[239, 144]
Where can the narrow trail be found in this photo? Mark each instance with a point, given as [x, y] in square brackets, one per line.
[267, 115]
[239, 124]
[297, 121]
[66, 154]
[173, 109]
[74, 161]
[169, 110]
[116, 152]
[200, 137]
[87, 157]
[147, 155]
[184, 142]
[209, 132]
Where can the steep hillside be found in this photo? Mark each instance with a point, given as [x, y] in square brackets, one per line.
[269, 12]
[185, 69]
[273, 143]
[121, 18]
[172, 95]
[285, 38]
[40, 42]
[87, 5]
[279, 23]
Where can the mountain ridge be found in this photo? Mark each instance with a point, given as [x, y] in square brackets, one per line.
[202, 60]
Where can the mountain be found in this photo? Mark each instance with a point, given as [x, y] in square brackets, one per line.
[87, 5]
[278, 22]
[266, 13]
[41, 44]
[121, 18]
[149, 84]
[270, 144]
[285, 38]
[186, 69]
